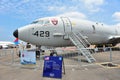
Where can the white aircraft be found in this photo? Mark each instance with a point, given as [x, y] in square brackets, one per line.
[6, 44]
[55, 31]
[63, 31]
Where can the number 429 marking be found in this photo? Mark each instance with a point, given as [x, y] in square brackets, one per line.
[42, 33]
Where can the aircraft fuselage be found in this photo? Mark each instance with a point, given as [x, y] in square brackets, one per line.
[53, 31]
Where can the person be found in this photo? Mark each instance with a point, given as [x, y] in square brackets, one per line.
[53, 53]
[37, 52]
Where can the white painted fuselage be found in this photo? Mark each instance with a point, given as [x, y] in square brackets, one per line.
[53, 31]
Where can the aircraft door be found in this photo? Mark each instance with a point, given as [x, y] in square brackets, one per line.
[67, 26]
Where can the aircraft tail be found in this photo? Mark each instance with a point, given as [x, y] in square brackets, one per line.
[16, 41]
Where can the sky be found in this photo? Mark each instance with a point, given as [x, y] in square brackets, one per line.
[18, 13]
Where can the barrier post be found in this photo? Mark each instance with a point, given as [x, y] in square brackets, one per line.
[110, 54]
[12, 52]
[79, 59]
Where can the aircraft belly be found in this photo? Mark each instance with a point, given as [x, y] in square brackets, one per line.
[97, 39]
[57, 42]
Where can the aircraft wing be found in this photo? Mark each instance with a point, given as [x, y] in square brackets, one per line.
[114, 40]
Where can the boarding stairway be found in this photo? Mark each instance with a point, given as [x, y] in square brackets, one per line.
[81, 43]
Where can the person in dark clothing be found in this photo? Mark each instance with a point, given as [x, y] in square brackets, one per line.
[53, 53]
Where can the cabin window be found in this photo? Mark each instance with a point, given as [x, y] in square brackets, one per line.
[93, 26]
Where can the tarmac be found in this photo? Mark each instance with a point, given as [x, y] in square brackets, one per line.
[76, 68]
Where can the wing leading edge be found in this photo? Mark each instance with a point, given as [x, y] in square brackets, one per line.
[114, 40]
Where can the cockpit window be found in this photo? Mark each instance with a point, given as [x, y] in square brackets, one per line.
[38, 22]
[34, 22]
[46, 22]
[42, 22]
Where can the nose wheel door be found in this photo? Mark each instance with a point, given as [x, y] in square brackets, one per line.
[67, 26]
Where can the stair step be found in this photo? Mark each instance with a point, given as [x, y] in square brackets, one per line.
[80, 42]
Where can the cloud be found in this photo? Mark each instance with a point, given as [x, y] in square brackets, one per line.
[116, 16]
[74, 15]
[32, 9]
[93, 5]
[118, 24]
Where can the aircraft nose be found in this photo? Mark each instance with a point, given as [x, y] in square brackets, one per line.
[15, 33]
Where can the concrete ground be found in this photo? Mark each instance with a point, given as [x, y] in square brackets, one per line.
[11, 69]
